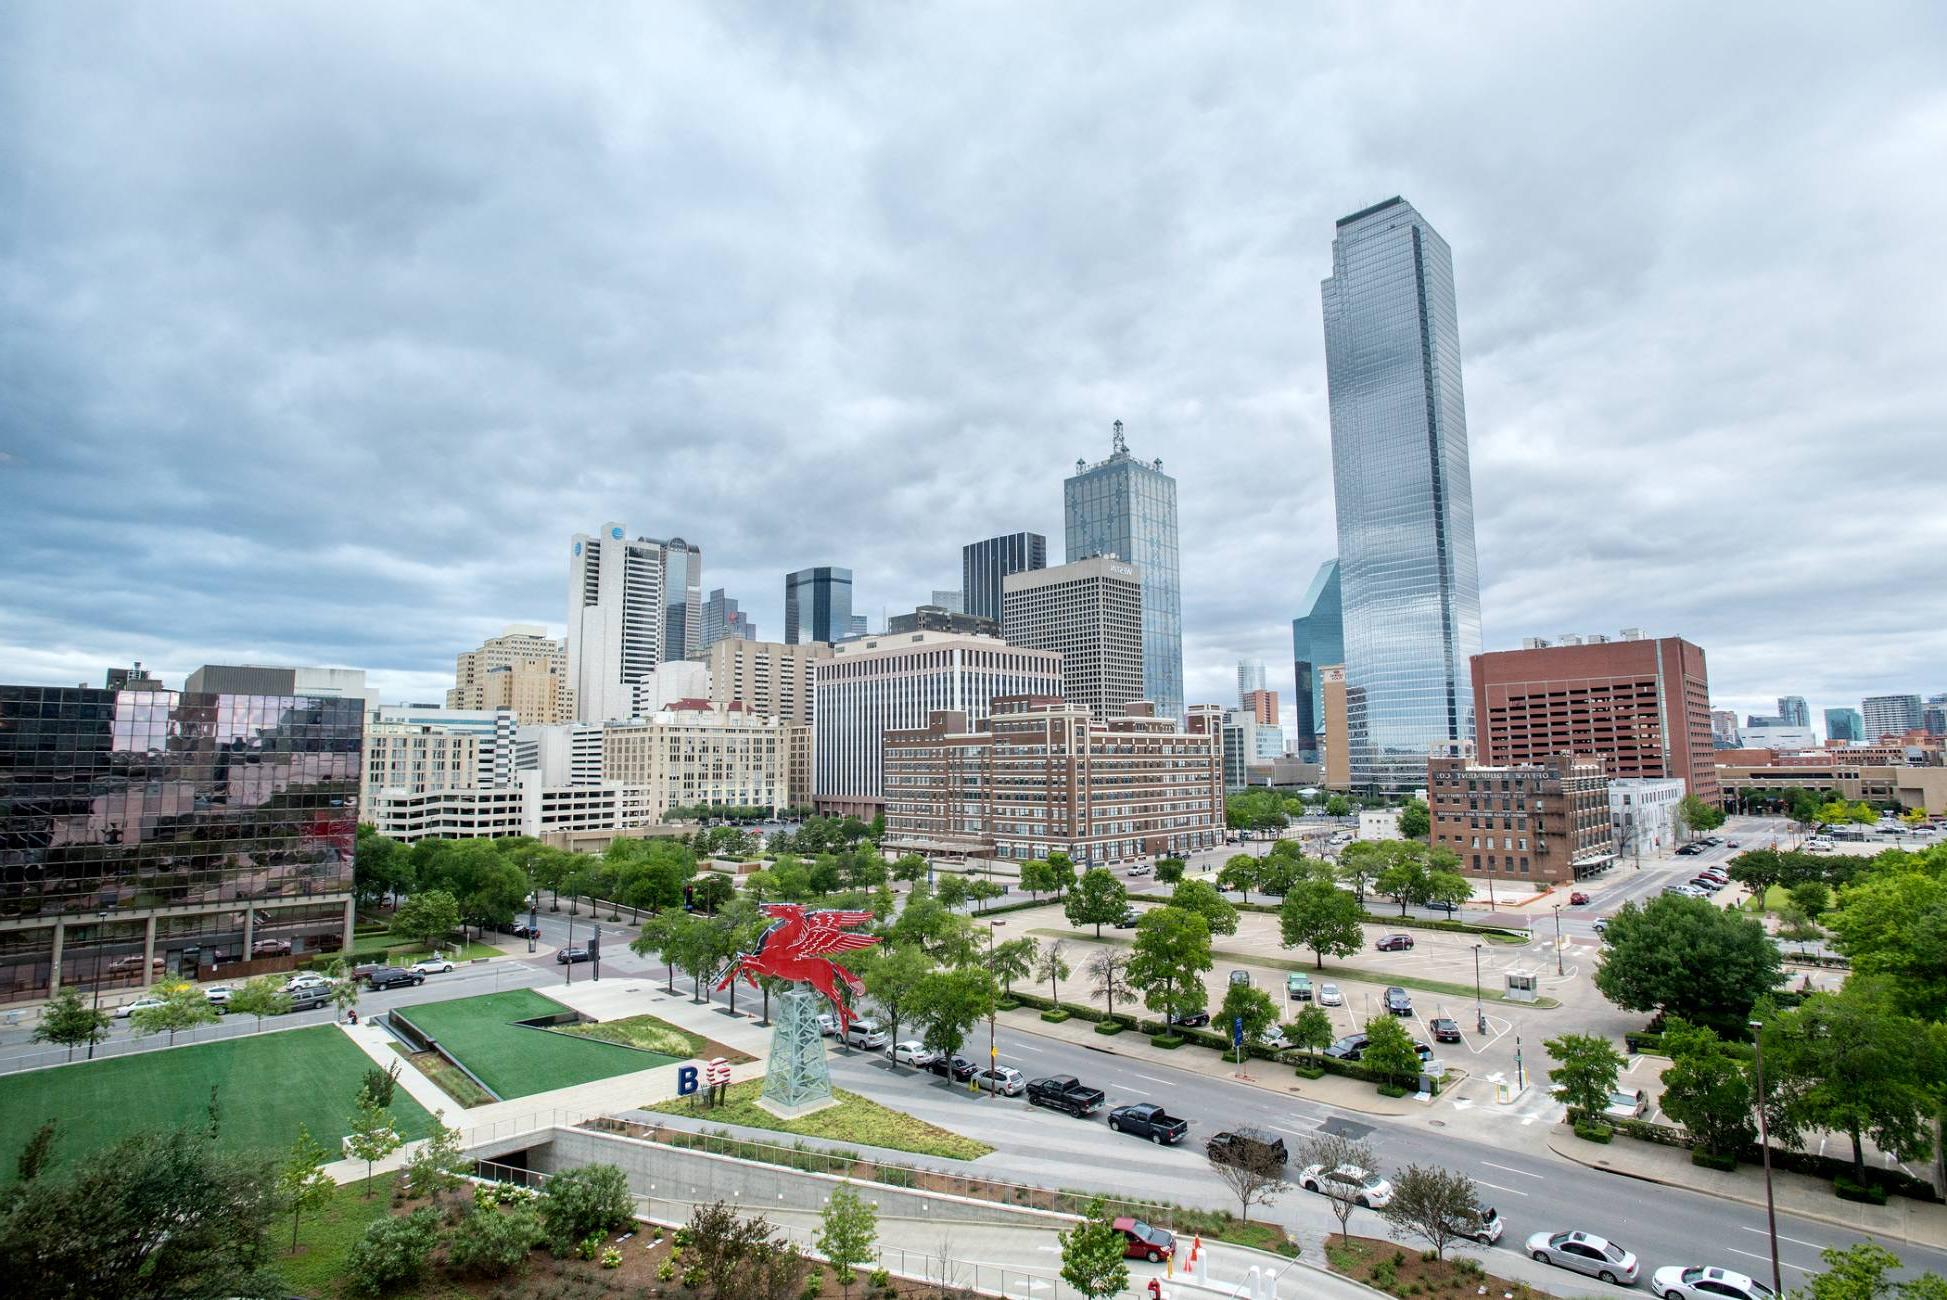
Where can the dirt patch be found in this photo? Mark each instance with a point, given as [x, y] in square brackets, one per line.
[452, 1082]
[1396, 1270]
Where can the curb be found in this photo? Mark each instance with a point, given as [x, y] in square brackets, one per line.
[1753, 1202]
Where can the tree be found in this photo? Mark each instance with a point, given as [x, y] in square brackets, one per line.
[1436, 1205]
[1312, 1030]
[908, 867]
[1063, 868]
[344, 989]
[183, 1007]
[1707, 1090]
[1108, 977]
[437, 1164]
[1238, 874]
[953, 891]
[1447, 889]
[1171, 954]
[373, 1136]
[380, 867]
[1037, 878]
[949, 1003]
[1415, 821]
[34, 1155]
[262, 996]
[1251, 1005]
[1092, 1254]
[711, 891]
[1684, 957]
[1317, 914]
[427, 917]
[582, 1202]
[1858, 1272]
[738, 1259]
[1849, 1062]
[1585, 1072]
[1098, 899]
[1359, 866]
[1169, 870]
[1331, 1151]
[490, 1243]
[1698, 815]
[1218, 913]
[1252, 1169]
[892, 979]
[1013, 960]
[69, 1021]
[302, 1183]
[1052, 965]
[1405, 879]
[1390, 1052]
[1894, 923]
[847, 1230]
[1811, 897]
[394, 1253]
[1338, 806]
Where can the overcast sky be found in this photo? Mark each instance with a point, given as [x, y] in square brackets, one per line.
[323, 327]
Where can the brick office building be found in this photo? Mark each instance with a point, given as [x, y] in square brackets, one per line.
[1534, 823]
[1642, 705]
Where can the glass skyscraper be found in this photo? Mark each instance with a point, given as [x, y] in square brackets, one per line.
[984, 564]
[1317, 640]
[1126, 508]
[1409, 582]
[817, 605]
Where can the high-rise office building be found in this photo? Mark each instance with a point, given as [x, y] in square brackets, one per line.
[615, 619]
[1793, 711]
[1890, 715]
[1405, 500]
[1091, 612]
[723, 621]
[1250, 677]
[938, 618]
[1317, 639]
[1843, 727]
[858, 625]
[768, 676]
[682, 599]
[522, 669]
[263, 679]
[1724, 729]
[1262, 705]
[984, 564]
[1933, 715]
[1126, 508]
[953, 602]
[817, 605]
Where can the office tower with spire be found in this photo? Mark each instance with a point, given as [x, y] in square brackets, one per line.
[1126, 508]
[1408, 579]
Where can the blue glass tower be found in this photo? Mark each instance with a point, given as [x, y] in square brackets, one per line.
[817, 605]
[1126, 508]
[1409, 581]
[1317, 640]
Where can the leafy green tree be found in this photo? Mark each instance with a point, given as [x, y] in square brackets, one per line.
[394, 1253]
[1169, 870]
[487, 889]
[949, 1003]
[1338, 806]
[373, 1134]
[1894, 923]
[1317, 914]
[1415, 821]
[183, 1007]
[68, 1020]
[1037, 878]
[1811, 897]
[909, 867]
[1849, 1062]
[1684, 957]
[262, 996]
[582, 1202]
[1108, 977]
[490, 1243]
[437, 1164]
[38, 1150]
[302, 1183]
[1098, 899]
[1251, 1005]
[1586, 1067]
[1698, 815]
[1448, 889]
[1013, 960]
[710, 892]
[953, 890]
[1203, 898]
[1238, 874]
[1858, 1272]
[1063, 867]
[1389, 1051]
[427, 917]
[892, 979]
[380, 867]
[1359, 866]
[344, 989]
[847, 1231]
[1312, 1029]
[1052, 965]
[1708, 1090]
[1440, 1206]
[1170, 958]
[1405, 880]
[1092, 1254]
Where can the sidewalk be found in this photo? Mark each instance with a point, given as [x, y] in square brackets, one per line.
[1900, 1219]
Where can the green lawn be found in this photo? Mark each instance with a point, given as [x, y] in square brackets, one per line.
[267, 1085]
[515, 1060]
[653, 1034]
[854, 1119]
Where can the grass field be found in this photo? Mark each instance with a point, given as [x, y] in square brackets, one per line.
[854, 1119]
[517, 1061]
[653, 1034]
[267, 1084]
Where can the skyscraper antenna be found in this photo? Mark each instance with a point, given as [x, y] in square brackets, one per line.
[1121, 445]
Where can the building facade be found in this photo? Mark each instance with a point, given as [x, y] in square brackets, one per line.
[1723, 729]
[938, 618]
[1250, 677]
[1317, 639]
[1642, 814]
[1043, 776]
[1793, 711]
[1335, 761]
[879, 684]
[1126, 508]
[953, 602]
[1772, 734]
[682, 599]
[696, 752]
[1642, 705]
[1844, 727]
[1409, 579]
[147, 832]
[769, 677]
[984, 565]
[256, 679]
[676, 679]
[723, 621]
[817, 605]
[1534, 823]
[616, 619]
[522, 669]
[1889, 715]
[1090, 612]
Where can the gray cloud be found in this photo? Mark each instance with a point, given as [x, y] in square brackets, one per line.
[322, 329]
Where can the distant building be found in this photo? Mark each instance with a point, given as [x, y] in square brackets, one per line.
[1845, 773]
[983, 566]
[1890, 715]
[938, 618]
[682, 599]
[1793, 711]
[1317, 639]
[1933, 716]
[724, 621]
[768, 677]
[1536, 823]
[1642, 813]
[1379, 824]
[1250, 677]
[695, 752]
[522, 669]
[616, 619]
[1240, 747]
[1334, 759]
[1844, 727]
[1263, 706]
[858, 625]
[953, 602]
[679, 679]
[1091, 613]
[817, 605]
[1723, 728]
[251, 679]
[1776, 735]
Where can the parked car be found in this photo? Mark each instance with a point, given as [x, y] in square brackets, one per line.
[1362, 1186]
[1191, 1019]
[1002, 1080]
[1394, 943]
[1064, 1092]
[1730, 844]
[1487, 1226]
[568, 956]
[128, 1009]
[956, 1067]
[1298, 986]
[1708, 884]
[1445, 1030]
[271, 948]
[869, 1034]
[1684, 891]
[1139, 869]
[391, 977]
[911, 1052]
[363, 970]
[218, 996]
[522, 930]
[1147, 1119]
[132, 965]
[1329, 996]
[1353, 1046]
[1584, 1252]
[1140, 1241]
[1397, 1003]
[432, 966]
[1601, 924]
[1690, 850]
[1128, 919]
[1229, 1148]
[1627, 1105]
[308, 998]
[828, 1024]
[306, 980]
[1578, 899]
[1242, 977]
[1679, 1283]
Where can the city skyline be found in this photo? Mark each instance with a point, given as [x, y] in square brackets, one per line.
[1626, 362]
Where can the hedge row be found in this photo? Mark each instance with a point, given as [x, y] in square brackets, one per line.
[1371, 918]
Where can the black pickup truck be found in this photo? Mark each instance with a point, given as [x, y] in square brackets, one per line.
[1147, 1119]
[1064, 1092]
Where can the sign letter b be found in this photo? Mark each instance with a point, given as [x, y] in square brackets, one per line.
[685, 1080]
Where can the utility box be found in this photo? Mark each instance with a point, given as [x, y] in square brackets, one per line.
[1522, 985]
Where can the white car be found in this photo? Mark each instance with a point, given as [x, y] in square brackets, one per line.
[869, 1034]
[128, 1009]
[219, 996]
[1584, 1252]
[1329, 996]
[1361, 1186]
[1273, 1039]
[828, 1025]
[1140, 869]
[1679, 1283]
[912, 1052]
[432, 966]
[306, 980]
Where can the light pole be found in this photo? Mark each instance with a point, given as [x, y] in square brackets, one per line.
[568, 948]
[1764, 1147]
[1480, 1016]
[101, 937]
[533, 907]
[1558, 939]
[993, 1053]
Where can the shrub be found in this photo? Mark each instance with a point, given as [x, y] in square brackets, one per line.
[1593, 1132]
[380, 1084]
[880, 1278]
[1007, 1003]
[1708, 1160]
[666, 1271]
[1109, 1027]
[1054, 1017]
[814, 1285]
[393, 1253]
[1391, 1090]
[1168, 1042]
[1310, 1070]
[1847, 1190]
[489, 1243]
[584, 1202]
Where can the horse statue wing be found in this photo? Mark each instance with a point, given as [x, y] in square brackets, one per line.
[825, 933]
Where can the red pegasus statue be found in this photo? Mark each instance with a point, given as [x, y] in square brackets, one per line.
[798, 945]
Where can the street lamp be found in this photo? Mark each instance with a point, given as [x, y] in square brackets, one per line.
[1764, 1146]
[101, 938]
[533, 907]
[1558, 938]
[567, 950]
[1480, 1016]
[993, 1053]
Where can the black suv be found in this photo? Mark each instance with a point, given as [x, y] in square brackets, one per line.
[1192, 1019]
[568, 955]
[956, 1067]
[391, 977]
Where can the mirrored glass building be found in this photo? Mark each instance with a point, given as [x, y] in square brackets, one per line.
[1317, 640]
[1408, 579]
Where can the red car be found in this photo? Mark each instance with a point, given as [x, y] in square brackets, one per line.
[1395, 943]
[1577, 898]
[1140, 1241]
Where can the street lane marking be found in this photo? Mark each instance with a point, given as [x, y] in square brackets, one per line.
[1767, 1259]
[1523, 1172]
[1150, 1078]
[1782, 1237]
[1497, 1187]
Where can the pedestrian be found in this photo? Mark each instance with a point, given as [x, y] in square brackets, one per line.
[352, 1016]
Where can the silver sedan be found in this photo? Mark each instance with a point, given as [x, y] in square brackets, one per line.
[1584, 1252]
